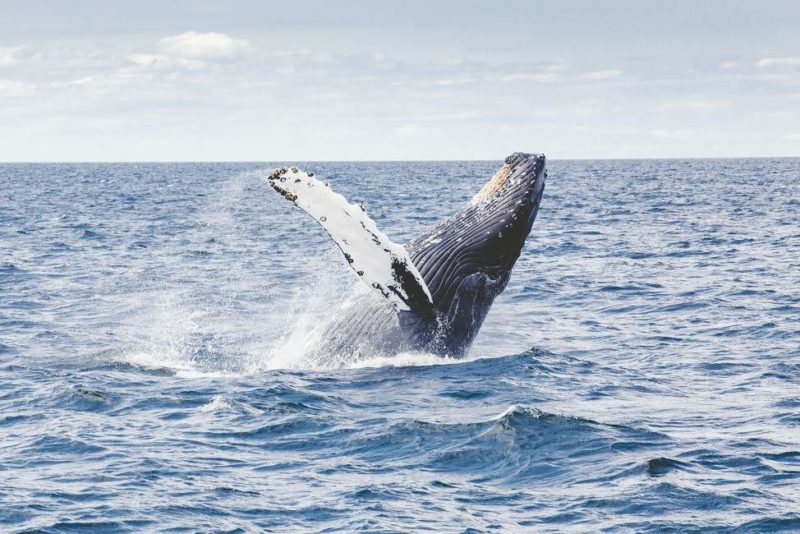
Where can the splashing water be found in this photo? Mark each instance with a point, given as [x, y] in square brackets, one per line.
[191, 329]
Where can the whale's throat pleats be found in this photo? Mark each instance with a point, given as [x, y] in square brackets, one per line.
[485, 238]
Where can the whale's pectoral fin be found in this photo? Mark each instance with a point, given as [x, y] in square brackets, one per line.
[383, 265]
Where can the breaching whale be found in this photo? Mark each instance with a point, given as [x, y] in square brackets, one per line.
[435, 292]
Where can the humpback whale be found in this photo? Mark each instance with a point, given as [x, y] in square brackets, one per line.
[436, 291]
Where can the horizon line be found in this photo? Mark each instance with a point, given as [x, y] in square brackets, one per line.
[650, 158]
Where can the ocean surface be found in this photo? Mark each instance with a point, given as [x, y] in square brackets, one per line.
[640, 373]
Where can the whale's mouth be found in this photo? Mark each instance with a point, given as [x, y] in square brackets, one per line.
[521, 177]
[494, 185]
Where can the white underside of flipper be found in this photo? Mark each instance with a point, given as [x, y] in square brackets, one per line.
[383, 265]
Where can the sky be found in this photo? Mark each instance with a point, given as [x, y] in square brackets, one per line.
[303, 80]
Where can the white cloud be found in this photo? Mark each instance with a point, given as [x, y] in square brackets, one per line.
[291, 53]
[454, 81]
[86, 80]
[786, 61]
[15, 88]
[211, 45]
[408, 130]
[601, 74]
[151, 61]
[162, 62]
[681, 134]
[546, 77]
[729, 65]
[693, 105]
[14, 55]
[456, 116]
[792, 137]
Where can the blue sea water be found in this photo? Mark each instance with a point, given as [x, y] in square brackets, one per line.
[640, 373]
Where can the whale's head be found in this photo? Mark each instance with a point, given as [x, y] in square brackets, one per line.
[507, 204]
[467, 260]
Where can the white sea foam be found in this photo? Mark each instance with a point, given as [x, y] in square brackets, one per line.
[405, 359]
[218, 403]
[221, 403]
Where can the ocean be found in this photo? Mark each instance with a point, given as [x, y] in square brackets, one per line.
[640, 373]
